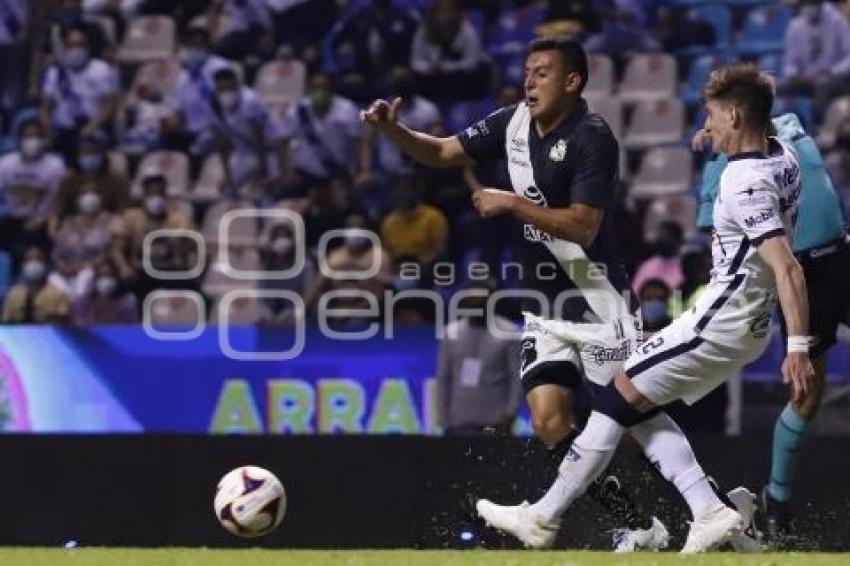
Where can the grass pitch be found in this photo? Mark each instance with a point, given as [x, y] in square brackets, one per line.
[206, 557]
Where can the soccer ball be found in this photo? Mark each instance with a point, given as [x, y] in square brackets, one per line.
[250, 502]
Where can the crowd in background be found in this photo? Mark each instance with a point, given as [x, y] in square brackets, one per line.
[123, 117]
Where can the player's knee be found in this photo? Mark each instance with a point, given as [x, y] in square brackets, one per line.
[551, 428]
[611, 402]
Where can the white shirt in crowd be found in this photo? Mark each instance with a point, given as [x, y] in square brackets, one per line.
[813, 50]
[195, 92]
[13, 17]
[247, 14]
[281, 5]
[464, 54]
[79, 95]
[29, 188]
[419, 114]
[338, 132]
[128, 7]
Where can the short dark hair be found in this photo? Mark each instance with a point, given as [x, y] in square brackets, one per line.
[572, 53]
[226, 74]
[196, 32]
[745, 87]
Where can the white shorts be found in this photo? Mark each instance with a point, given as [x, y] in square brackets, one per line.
[676, 363]
[562, 353]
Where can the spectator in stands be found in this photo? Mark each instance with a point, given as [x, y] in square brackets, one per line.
[375, 38]
[447, 55]
[14, 52]
[29, 183]
[696, 272]
[413, 228]
[302, 23]
[324, 209]
[278, 253]
[194, 95]
[477, 388]
[654, 296]
[166, 254]
[578, 18]
[357, 254]
[149, 120]
[250, 30]
[245, 136]
[35, 299]
[89, 236]
[109, 302]
[624, 29]
[93, 169]
[676, 30]
[817, 54]
[80, 95]
[666, 264]
[324, 138]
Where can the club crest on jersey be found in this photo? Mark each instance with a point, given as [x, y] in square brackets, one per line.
[558, 151]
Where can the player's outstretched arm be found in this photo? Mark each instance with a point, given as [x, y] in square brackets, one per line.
[797, 369]
[423, 148]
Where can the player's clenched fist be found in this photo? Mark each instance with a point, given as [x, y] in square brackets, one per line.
[381, 112]
[797, 371]
[492, 202]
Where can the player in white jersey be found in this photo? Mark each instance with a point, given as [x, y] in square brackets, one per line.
[754, 217]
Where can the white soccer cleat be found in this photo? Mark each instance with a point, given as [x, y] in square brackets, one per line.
[520, 521]
[750, 540]
[654, 538]
[711, 529]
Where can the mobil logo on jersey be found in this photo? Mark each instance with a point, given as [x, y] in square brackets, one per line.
[757, 219]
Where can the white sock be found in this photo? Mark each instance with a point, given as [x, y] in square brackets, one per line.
[668, 449]
[587, 458]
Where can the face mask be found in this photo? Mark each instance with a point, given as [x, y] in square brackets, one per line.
[89, 203]
[653, 311]
[34, 270]
[281, 245]
[193, 57]
[155, 205]
[31, 147]
[320, 100]
[91, 163]
[229, 99]
[76, 57]
[811, 13]
[105, 286]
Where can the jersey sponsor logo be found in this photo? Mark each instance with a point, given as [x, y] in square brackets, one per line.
[757, 219]
[760, 326]
[478, 129]
[520, 162]
[533, 194]
[572, 455]
[791, 201]
[753, 201]
[601, 355]
[787, 177]
[534, 234]
[529, 351]
[518, 144]
[558, 151]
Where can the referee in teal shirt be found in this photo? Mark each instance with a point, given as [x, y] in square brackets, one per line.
[822, 249]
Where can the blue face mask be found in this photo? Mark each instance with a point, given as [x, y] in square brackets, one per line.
[91, 163]
[653, 311]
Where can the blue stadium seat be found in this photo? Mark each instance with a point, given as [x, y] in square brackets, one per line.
[697, 77]
[5, 273]
[462, 114]
[764, 30]
[771, 64]
[800, 105]
[513, 30]
[720, 18]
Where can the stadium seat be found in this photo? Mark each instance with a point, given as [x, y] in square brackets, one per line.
[281, 81]
[462, 114]
[148, 38]
[514, 29]
[656, 122]
[208, 187]
[160, 75]
[5, 273]
[242, 231]
[839, 109]
[600, 79]
[771, 64]
[764, 30]
[698, 75]
[611, 109]
[678, 208]
[118, 162]
[176, 311]
[800, 105]
[216, 282]
[174, 165]
[663, 171]
[649, 77]
[242, 311]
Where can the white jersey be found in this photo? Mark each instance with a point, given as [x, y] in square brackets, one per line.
[757, 200]
[79, 95]
[29, 187]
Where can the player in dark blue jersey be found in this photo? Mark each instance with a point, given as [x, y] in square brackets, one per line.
[562, 163]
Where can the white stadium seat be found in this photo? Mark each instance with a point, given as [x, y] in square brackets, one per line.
[173, 165]
[678, 208]
[656, 122]
[663, 171]
[611, 109]
[600, 79]
[148, 38]
[216, 282]
[208, 187]
[176, 311]
[242, 311]
[838, 110]
[649, 77]
[281, 81]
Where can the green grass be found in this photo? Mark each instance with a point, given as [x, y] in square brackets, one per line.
[205, 557]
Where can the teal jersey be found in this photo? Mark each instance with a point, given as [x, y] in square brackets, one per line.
[820, 221]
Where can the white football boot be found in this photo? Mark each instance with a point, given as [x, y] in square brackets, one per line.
[750, 540]
[711, 529]
[520, 521]
[654, 538]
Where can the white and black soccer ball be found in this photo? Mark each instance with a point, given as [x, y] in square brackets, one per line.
[250, 502]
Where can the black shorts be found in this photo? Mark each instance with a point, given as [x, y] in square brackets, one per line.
[827, 272]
